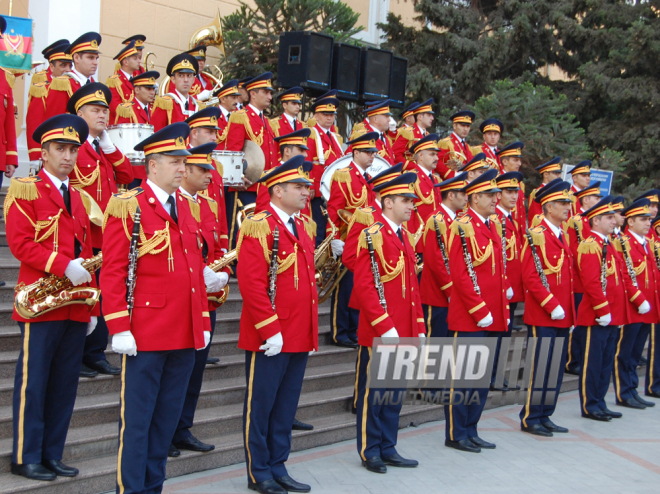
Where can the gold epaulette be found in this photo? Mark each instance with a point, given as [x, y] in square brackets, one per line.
[125, 110]
[445, 143]
[239, 116]
[342, 176]
[113, 81]
[275, 125]
[574, 221]
[213, 205]
[164, 103]
[476, 150]
[310, 225]
[538, 237]
[589, 246]
[38, 90]
[340, 139]
[376, 237]
[311, 122]
[465, 224]
[537, 220]
[358, 130]
[431, 223]
[117, 67]
[200, 105]
[10, 78]
[532, 195]
[522, 187]
[61, 83]
[194, 208]
[41, 76]
[406, 132]
[23, 188]
[122, 205]
[498, 224]
[256, 225]
[616, 242]
[363, 216]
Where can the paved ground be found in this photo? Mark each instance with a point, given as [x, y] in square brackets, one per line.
[621, 456]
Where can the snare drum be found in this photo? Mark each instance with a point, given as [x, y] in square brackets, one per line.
[127, 136]
[232, 166]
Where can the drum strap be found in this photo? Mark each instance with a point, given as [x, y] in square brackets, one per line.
[182, 104]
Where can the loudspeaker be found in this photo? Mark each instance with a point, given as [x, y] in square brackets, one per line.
[398, 82]
[305, 60]
[346, 71]
[376, 72]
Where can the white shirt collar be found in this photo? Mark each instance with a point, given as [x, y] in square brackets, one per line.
[224, 111]
[325, 131]
[255, 109]
[140, 104]
[81, 78]
[90, 139]
[181, 96]
[184, 191]
[478, 215]
[284, 216]
[577, 189]
[393, 225]
[492, 148]
[553, 228]
[359, 168]
[616, 230]
[428, 172]
[420, 129]
[128, 76]
[289, 118]
[506, 213]
[161, 195]
[457, 137]
[451, 213]
[599, 234]
[641, 240]
[56, 181]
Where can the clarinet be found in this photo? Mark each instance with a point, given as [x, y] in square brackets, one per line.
[132, 263]
[577, 232]
[537, 262]
[468, 262]
[441, 244]
[603, 270]
[626, 257]
[272, 285]
[504, 242]
[657, 257]
[374, 270]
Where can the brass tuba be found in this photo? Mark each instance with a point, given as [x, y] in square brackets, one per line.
[220, 297]
[52, 292]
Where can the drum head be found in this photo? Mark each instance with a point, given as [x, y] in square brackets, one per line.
[256, 161]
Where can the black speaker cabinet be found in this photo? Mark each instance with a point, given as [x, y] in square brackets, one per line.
[346, 71]
[376, 74]
[305, 60]
[398, 82]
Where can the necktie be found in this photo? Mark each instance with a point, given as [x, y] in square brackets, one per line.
[97, 146]
[66, 196]
[293, 227]
[170, 201]
[261, 115]
[146, 110]
[329, 135]
[432, 178]
[187, 104]
[561, 238]
[366, 176]
[487, 223]
[510, 218]
[88, 82]
[382, 138]
[400, 234]
[295, 124]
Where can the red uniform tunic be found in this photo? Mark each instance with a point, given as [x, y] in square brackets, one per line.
[428, 201]
[406, 137]
[514, 243]
[49, 249]
[396, 265]
[490, 155]
[519, 211]
[580, 224]
[222, 124]
[557, 262]
[198, 86]
[216, 193]
[59, 91]
[349, 190]
[8, 152]
[169, 279]
[447, 145]
[576, 204]
[137, 114]
[323, 151]
[35, 115]
[296, 299]
[171, 109]
[533, 207]
[384, 146]
[619, 291]
[467, 307]
[282, 127]
[436, 283]
[98, 175]
[361, 219]
[122, 91]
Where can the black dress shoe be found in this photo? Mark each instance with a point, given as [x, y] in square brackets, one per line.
[291, 485]
[396, 460]
[34, 471]
[574, 371]
[653, 394]
[301, 426]
[642, 360]
[173, 452]
[495, 388]
[614, 415]
[632, 403]
[463, 445]
[103, 367]
[3, 283]
[511, 388]
[477, 441]
[193, 444]
[346, 344]
[59, 468]
[375, 465]
[537, 430]
[599, 415]
[87, 372]
[644, 402]
[515, 328]
[212, 360]
[552, 427]
[266, 487]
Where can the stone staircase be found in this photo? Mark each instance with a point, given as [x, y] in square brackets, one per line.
[92, 440]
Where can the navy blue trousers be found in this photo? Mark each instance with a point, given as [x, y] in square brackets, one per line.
[435, 319]
[97, 342]
[653, 367]
[232, 207]
[194, 388]
[575, 342]
[45, 388]
[319, 218]
[461, 419]
[377, 423]
[271, 400]
[152, 392]
[629, 349]
[531, 413]
[499, 335]
[343, 320]
[598, 349]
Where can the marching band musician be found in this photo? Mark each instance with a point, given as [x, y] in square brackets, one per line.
[407, 136]
[620, 220]
[377, 120]
[510, 157]
[577, 229]
[139, 40]
[478, 301]
[349, 190]
[652, 195]
[178, 104]
[636, 250]
[120, 83]
[157, 356]
[435, 284]
[548, 275]
[59, 62]
[98, 170]
[324, 149]
[244, 97]
[549, 171]
[138, 110]
[581, 176]
[455, 151]
[474, 168]
[203, 84]
[291, 101]
[48, 231]
[408, 117]
[279, 324]
[395, 312]
[8, 130]
[492, 129]
[228, 102]
[196, 179]
[609, 297]
[652, 384]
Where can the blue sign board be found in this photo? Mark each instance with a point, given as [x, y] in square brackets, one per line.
[605, 177]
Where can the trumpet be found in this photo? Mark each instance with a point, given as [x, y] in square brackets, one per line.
[220, 297]
[52, 292]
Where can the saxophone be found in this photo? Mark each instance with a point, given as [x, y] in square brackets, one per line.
[220, 297]
[52, 292]
[468, 262]
[626, 257]
[657, 256]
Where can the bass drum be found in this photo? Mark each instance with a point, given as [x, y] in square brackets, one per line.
[379, 165]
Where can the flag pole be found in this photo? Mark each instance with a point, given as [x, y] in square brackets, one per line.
[10, 5]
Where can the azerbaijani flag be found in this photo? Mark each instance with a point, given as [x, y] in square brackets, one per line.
[16, 45]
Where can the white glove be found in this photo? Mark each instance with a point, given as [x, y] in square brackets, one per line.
[604, 320]
[422, 336]
[509, 293]
[392, 124]
[391, 337]
[557, 313]
[204, 95]
[337, 247]
[207, 338]
[213, 281]
[273, 345]
[124, 343]
[106, 144]
[644, 308]
[35, 165]
[311, 353]
[91, 325]
[76, 273]
[486, 321]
